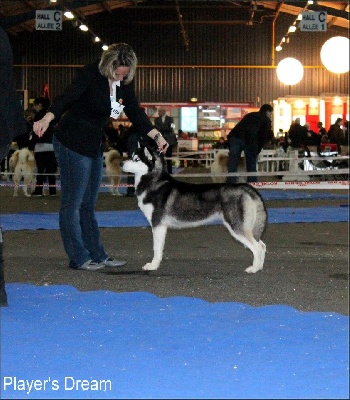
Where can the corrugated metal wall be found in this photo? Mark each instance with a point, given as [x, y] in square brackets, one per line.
[169, 72]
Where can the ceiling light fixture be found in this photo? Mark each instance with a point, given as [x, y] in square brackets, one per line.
[293, 27]
[82, 26]
[68, 15]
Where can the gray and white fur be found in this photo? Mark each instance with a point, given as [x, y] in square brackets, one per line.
[169, 203]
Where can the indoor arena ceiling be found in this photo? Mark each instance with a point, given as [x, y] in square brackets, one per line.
[19, 15]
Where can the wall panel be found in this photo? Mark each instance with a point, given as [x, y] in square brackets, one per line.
[168, 71]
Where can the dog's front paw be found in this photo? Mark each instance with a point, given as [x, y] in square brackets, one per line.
[252, 270]
[150, 267]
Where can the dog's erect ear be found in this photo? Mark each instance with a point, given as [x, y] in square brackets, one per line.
[148, 154]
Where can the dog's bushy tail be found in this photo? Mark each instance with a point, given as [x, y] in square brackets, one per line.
[13, 161]
[29, 156]
[114, 156]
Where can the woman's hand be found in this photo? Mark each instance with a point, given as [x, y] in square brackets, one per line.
[162, 144]
[40, 127]
[159, 139]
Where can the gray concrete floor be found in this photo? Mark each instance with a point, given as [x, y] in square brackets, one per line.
[306, 264]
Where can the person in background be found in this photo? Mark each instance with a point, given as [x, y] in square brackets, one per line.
[43, 151]
[183, 135]
[101, 90]
[221, 144]
[346, 133]
[321, 130]
[312, 139]
[297, 135]
[336, 134]
[165, 125]
[12, 124]
[23, 140]
[249, 136]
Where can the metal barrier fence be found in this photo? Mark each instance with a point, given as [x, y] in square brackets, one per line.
[291, 168]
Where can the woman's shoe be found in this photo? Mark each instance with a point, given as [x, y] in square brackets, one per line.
[112, 263]
[91, 266]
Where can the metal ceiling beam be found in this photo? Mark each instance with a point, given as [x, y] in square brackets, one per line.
[337, 11]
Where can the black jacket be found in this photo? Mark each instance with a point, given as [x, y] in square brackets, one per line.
[166, 129]
[83, 110]
[254, 129]
[12, 122]
[297, 135]
[336, 134]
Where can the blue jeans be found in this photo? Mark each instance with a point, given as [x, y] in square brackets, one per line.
[236, 147]
[80, 182]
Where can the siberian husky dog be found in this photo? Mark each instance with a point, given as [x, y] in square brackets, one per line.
[169, 203]
[22, 164]
[220, 166]
[113, 170]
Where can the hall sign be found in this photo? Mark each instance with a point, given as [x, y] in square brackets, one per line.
[313, 21]
[48, 20]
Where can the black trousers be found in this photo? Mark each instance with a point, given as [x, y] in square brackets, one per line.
[47, 167]
[3, 296]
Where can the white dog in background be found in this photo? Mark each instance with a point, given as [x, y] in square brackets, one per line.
[113, 161]
[22, 165]
[220, 166]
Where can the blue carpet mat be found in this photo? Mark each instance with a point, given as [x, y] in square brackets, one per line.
[135, 218]
[271, 194]
[135, 345]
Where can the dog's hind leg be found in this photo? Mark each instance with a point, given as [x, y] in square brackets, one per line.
[115, 191]
[25, 190]
[258, 248]
[262, 259]
[16, 181]
[27, 182]
[159, 234]
[15, 190]
[116, 186]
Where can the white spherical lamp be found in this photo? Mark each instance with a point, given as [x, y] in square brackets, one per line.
[335, 54]
[290, 71]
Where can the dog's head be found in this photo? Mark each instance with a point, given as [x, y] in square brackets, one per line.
[144, 161]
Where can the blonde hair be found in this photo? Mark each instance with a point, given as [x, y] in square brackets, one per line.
[118, 55]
